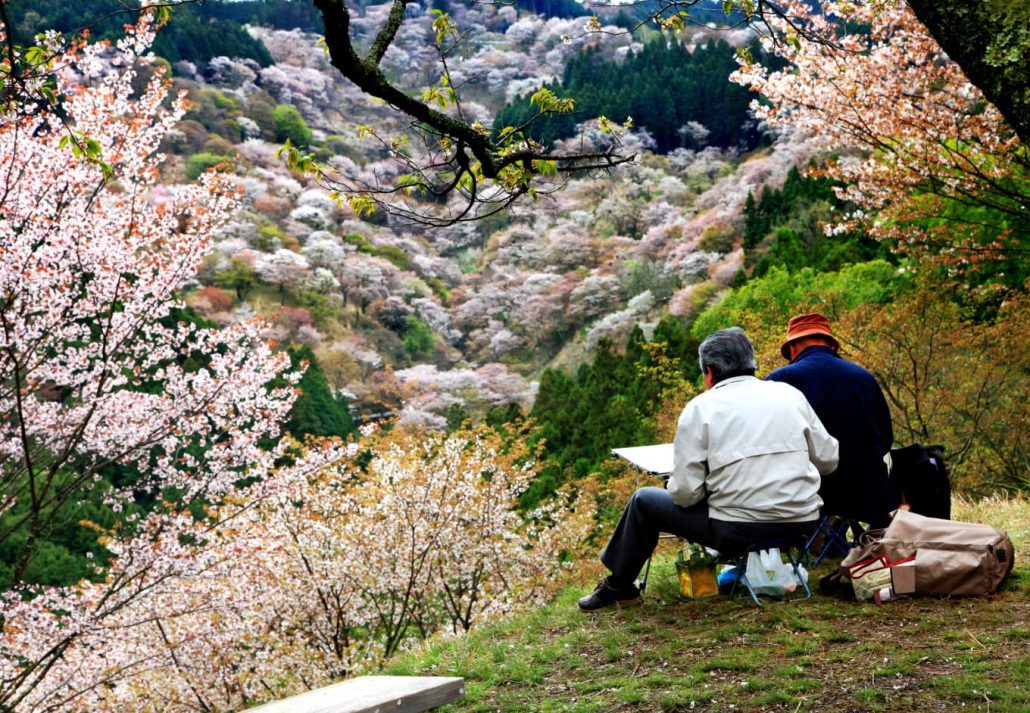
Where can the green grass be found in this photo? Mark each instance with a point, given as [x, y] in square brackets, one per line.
[915, 654]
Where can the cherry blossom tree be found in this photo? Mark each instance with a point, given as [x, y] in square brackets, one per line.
[364, 279]
[448, 503]
[929, 162]
[285, 269]
[95, 369]
[341, 565]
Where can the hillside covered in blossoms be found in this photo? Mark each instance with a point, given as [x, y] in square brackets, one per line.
[409, 318]
[305, 361]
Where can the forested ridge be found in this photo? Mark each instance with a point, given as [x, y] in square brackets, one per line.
[680, 96]
[245, 343]
[201, 32]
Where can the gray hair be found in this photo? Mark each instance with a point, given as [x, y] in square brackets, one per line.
[727, 353]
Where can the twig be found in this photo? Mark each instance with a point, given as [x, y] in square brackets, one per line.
[971, 636]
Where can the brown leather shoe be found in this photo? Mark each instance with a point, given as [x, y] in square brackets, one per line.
[605, 595]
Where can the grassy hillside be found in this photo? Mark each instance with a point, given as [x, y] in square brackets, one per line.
[917, 654]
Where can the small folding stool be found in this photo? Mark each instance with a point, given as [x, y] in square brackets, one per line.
[834, 531]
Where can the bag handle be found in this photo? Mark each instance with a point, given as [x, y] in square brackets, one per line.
[861, 569]
[870, 536]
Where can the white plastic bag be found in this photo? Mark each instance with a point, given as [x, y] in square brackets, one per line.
[769, 574]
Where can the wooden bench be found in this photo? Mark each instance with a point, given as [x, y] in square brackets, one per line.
[373, 694]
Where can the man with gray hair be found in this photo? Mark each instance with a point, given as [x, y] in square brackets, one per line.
[747, 460]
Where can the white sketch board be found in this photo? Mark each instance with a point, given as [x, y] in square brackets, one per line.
[655, 459]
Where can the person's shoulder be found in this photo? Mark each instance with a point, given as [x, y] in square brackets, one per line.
[853, 368]
[703, 399]
[721, 394]
[783, 373]
[780, 398]
[826, 360]
[767, 388]
[782, 389]
[697, 411]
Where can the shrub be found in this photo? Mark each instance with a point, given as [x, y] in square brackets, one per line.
[200, 162]
[218, 145]
[394, 254]
[194, 135]
[289, 124]
[418, 338]
[358, 241]
[239, 277]
[213, 298]
[270, 237]
[319, 305]
[717, 238]
[262, 112]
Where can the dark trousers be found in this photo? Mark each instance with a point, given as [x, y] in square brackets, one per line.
[651, 511]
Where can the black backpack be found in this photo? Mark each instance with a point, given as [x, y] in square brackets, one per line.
[920, 478]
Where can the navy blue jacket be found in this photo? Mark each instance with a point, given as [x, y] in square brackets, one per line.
[849, 402]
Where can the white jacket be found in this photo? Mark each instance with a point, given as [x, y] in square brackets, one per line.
[755, 449]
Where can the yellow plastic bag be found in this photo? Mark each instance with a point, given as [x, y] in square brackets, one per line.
[697, 575]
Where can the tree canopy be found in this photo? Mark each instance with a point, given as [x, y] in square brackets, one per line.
[990, 40]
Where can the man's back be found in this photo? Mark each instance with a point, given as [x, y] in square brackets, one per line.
[849, 402]
[755, 449]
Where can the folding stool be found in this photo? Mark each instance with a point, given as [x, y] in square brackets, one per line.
[834, 530]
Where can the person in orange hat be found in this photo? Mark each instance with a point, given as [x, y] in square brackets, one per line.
[849, 402]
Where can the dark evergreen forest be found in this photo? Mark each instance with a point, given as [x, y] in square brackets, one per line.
[784, 227]
[552, 8]
[607, 403]
[198, 32]
[662, 88]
